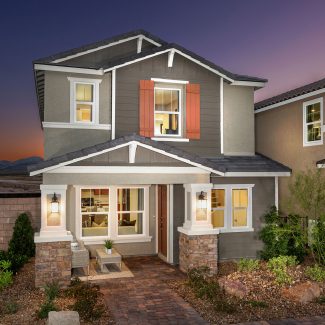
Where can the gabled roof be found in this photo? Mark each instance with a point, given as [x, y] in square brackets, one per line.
[219, 165]
[320, 163]
[99, 44]
[290, 95]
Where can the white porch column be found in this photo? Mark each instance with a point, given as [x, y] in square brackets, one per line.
[198, 210]
[53, 214]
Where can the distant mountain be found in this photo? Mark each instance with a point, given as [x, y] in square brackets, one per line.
[18, 167]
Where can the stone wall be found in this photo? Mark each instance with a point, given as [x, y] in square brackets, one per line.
[10, 209]
[198, 250]
[53, 263]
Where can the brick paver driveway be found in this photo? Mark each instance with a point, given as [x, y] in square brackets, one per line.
[146, 298]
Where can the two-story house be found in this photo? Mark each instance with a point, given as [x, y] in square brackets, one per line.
[150, 145]
[290, 128]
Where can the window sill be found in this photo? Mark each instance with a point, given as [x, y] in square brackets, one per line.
[224, 230]
[312, 144]
[118, 240]
[170, 139]
[66, 125]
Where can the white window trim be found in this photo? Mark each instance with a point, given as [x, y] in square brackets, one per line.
[95, 103]
[112, 221]
[307, 143]
[228, 207]
[179, 113]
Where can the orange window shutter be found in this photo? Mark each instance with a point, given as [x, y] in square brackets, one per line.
[193, 111]
[146, 108]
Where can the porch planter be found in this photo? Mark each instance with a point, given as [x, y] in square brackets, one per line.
[108, 250]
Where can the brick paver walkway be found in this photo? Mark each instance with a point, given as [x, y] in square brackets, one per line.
[147, 298]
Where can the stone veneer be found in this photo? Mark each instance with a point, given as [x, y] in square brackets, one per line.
[53, 263]
[198, 250]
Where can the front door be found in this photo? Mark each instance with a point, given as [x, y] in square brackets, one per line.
[162, 220]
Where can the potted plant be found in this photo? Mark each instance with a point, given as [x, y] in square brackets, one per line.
[108, 246]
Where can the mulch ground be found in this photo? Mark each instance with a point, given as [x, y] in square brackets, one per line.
[262, 288]
[29, 299]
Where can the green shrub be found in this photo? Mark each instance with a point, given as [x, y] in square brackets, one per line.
[51, 290]
[257, 303]
[206, 287]
[10, 307]
[46, 308]
[248, 265]
[5, 274]
[283, 236]
[315, 273]
[22, 241]
[86, 296]
[318, 240]
[278, 266]
[17, 261]
[321, 300]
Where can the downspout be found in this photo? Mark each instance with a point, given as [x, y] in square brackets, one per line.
[113, 103]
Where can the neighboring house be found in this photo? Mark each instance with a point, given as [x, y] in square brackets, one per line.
[152, 146]
[290, 128]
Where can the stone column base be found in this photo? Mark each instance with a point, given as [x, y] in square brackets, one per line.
[53, 263]
[198, 250]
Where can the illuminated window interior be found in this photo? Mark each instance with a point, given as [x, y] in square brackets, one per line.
[313, 122]
[167, 111]
[218, 208]
[239, 207]
[84, 102]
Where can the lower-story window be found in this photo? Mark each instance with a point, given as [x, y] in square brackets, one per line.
[115, 212]
[130, 211]
[231, 207]
[94, 204]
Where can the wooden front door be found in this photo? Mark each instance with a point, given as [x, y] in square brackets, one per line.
[162, 220]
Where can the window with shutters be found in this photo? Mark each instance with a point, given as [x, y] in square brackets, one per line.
[167, 111]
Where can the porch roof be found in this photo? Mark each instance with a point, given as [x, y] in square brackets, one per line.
[221, 165]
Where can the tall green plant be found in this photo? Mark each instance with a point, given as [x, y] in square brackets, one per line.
[22, 241]
[282, 236]
[307, 191]
[318, 240]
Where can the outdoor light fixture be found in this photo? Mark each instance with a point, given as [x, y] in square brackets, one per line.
[54, 204]
[202, 200]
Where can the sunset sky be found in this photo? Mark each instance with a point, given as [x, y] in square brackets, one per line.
[281, 40]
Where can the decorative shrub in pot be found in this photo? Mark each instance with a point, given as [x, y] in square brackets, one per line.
[108, 246]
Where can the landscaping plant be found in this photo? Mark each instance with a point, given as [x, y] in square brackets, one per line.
[22, 241]
[205, 286]
[5, 274]
[279, 267]
[51, 292]
[315, 273]
[283, 236]
[318, 240]
[247, 265]
[86, 296]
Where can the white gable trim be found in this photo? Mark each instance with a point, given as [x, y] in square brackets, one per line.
[48, 169]
[59, 68]
[291, 100]
[140, 36]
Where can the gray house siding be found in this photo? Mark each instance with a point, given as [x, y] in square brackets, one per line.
[246, 244]
[57, 109]
[238, 120]
[127, 98]
[60, 141]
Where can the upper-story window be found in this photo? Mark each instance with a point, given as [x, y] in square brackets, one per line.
[313, 121]
[168, 111]
[84, 98]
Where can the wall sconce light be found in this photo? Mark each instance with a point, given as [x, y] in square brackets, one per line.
[202, 200]
[55, 204]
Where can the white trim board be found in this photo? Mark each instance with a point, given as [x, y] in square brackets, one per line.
[139, 36]
[66, 125]
[49, 67]
[126, 170]
[288, 101]
[47, 169]
[256, 174]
